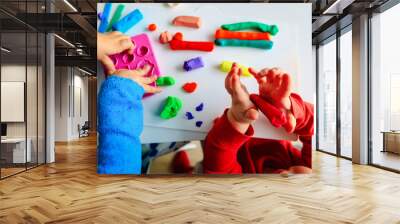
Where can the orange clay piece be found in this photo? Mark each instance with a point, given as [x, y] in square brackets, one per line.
[152, 27]
[188, 21]
[226, 34]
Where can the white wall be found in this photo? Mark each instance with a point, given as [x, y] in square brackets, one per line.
[70, 83]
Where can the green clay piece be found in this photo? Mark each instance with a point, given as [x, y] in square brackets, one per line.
[171, 108]
[272, 29]
[116, 16]
[165, 81]
[263, 44]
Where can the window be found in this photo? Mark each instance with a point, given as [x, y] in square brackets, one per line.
[346, 94]
[385, 89]
[327, 97]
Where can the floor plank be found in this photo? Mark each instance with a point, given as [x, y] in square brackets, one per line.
[70, 191]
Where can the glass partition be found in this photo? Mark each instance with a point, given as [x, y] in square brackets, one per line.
[346, 94]
[385, 89]
[327, 97]
[22, 89]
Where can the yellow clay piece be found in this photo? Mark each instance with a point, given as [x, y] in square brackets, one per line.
[227, 65]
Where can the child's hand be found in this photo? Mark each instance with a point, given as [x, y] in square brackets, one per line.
[275, 86]
[242, 112]
[109, 44]
[137, 76]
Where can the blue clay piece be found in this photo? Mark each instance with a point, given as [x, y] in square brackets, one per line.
[200, 107]
[104, 18]
[193, 63]
[199, 123]
[189, 115]
[128, 21]
[100, 15]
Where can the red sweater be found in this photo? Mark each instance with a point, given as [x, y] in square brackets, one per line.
[227, 151]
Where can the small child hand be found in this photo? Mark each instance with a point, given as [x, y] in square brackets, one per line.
[138, 77]
[109, 44]
[242, 112]
[275, 86]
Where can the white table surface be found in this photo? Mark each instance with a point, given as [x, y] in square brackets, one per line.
[292, 52]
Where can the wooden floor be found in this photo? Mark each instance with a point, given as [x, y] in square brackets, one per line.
[70, 191]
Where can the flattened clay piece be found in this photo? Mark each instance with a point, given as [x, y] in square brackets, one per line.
[171, 108]
[104, 18]
[165, 81]
[272, 29]
[193, 63]
[188, 21]
[227, 65]
[177, 43]
[263, 44]
[117, 15]
[165, 37]
[128, 21]
[189, 87]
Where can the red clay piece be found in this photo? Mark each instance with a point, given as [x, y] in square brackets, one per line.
[178, 36]
[152, 27]
[177, 43]
[189, 87]
[191, 45]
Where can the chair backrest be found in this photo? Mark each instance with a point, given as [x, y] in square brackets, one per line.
[86, 125]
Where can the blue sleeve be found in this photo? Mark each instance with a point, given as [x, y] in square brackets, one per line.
[120, 114]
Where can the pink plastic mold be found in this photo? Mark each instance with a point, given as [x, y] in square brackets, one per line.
[143, 54]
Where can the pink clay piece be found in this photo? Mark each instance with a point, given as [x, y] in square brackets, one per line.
[165, 37]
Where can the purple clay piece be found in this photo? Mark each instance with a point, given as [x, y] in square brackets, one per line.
[193, 63]
[189, 115]
[100, 15]
[200, 107]
[199, 123]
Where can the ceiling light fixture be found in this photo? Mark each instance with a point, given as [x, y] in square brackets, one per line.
[65, 41]
[329, 9]
[70, 5]
[84, 71]
[5, 50]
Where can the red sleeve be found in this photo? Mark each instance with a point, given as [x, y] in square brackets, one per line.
[304, 114]
[303, 157]
[221, 146]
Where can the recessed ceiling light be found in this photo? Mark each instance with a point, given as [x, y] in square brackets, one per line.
[70, 5]
[5, 50]
[84, 71]
[64, 40]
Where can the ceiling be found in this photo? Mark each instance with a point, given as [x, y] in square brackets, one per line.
[72, 20]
